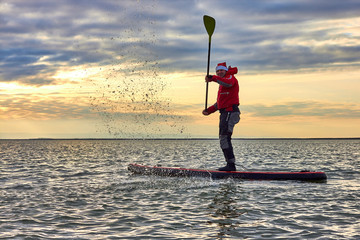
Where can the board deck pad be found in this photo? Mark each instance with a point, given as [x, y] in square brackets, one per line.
[214, 174]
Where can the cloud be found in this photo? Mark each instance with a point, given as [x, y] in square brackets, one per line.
[40, 36]
[291, 35]
[284, 11]
[42, 107]
[120, 117]
[304, 109]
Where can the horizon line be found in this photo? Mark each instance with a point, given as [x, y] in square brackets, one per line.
[195, 138]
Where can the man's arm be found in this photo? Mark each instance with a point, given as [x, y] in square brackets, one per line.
[210, 110]
[226, 81]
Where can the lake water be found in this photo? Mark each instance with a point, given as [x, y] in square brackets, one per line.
[81, 189]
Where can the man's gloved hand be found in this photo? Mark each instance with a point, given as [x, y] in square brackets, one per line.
[208, 78]
[209, 111]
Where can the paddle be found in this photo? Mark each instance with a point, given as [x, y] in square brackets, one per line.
[209, 23]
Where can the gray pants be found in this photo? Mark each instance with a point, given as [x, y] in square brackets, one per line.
[226, 128]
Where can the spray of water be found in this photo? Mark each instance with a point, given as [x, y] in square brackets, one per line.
[129, 91]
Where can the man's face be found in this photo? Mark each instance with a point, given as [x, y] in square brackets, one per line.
[220, 73]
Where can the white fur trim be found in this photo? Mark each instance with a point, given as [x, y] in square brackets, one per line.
[221, 67]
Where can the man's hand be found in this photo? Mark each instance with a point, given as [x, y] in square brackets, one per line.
[204, 112]
[208, 78]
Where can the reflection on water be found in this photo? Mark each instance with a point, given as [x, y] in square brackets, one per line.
[225, 210]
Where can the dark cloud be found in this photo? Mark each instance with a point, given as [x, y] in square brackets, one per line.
[283, 11]
[310, 9]
[268, 33]
[42, 36]
[38, 37]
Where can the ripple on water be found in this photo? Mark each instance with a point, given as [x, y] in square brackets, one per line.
[82, 190]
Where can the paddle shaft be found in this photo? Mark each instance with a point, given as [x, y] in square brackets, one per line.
[209, 23]
[207, 74]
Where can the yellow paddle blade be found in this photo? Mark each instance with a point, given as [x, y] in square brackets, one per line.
[209, 23]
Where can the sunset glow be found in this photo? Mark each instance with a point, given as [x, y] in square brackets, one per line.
[136, 68]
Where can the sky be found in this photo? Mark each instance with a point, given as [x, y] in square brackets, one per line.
[135, 68]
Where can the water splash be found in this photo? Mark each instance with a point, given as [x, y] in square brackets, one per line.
[130, 92]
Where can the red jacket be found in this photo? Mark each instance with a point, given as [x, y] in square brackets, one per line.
[228, 94]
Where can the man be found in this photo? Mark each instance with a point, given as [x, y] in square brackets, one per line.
[228, 105]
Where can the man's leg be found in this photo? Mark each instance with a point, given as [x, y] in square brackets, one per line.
[227, 123]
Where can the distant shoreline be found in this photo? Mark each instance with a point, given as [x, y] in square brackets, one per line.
[200, 139]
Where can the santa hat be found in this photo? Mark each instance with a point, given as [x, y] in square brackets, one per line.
[221, 66]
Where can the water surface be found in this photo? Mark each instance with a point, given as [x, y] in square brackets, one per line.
[81, 189]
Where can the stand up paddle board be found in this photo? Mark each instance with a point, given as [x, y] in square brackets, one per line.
[185, 172]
